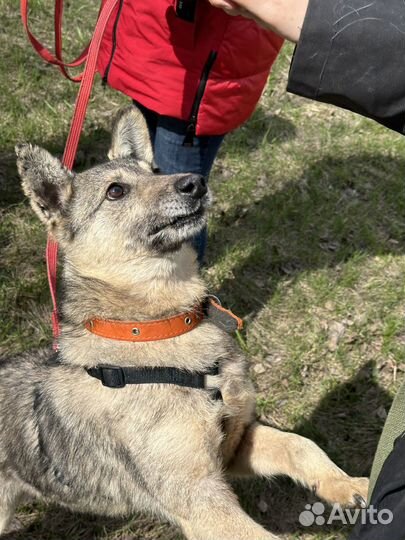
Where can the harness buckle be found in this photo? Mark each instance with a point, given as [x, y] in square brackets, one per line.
[112, 376]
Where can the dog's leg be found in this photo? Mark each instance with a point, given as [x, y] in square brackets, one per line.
[9, 497]
[267, 451]
[215, 514]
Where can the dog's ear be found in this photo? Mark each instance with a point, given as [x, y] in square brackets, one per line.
[45, 181]
[130, 138]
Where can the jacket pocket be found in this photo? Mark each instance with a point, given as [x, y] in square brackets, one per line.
[181, 23]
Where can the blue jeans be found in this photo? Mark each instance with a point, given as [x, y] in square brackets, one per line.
[172, 157]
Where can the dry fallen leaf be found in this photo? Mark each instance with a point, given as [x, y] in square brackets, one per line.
[336, 331]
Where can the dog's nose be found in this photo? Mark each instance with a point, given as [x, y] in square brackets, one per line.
[193, 186]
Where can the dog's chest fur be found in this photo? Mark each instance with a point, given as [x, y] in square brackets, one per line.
[109, 450]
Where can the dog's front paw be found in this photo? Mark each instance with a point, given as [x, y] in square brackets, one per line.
[344, 490]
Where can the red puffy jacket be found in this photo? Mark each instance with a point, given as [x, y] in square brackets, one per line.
[210, 71]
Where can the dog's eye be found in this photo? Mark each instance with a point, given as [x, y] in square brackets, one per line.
[115, 191]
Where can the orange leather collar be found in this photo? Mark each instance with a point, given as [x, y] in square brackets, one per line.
[146, 330]
[137, 331]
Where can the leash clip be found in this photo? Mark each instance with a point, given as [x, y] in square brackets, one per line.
[215, 298]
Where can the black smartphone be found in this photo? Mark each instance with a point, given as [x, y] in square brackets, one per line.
[185, 9]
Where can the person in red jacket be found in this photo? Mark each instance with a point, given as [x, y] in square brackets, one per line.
[195, 72]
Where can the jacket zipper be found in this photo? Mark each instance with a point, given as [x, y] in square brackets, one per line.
[114, 43]
[192, 123]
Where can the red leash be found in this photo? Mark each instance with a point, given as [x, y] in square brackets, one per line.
[86, 79]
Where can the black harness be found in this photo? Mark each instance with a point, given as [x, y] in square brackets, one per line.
[118, 377]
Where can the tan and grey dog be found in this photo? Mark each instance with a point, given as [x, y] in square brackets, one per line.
[161, 448]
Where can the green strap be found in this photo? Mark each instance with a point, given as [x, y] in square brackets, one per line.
[394, 427]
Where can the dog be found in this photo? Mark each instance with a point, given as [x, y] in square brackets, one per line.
[168, 448]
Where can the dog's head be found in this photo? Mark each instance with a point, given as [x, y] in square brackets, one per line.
[117, 209]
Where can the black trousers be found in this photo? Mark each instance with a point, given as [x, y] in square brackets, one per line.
[388, 496]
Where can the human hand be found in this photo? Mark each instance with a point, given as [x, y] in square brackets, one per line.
[285, 17]
[234, 8]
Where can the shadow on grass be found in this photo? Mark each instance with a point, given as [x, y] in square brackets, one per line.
[262, 128]
[339, 208]
[56, 523]
[346, 426]
[59, 523]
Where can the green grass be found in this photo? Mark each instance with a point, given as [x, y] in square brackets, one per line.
[307, 242]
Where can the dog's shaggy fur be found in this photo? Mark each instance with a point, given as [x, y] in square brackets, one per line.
[64, 437]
